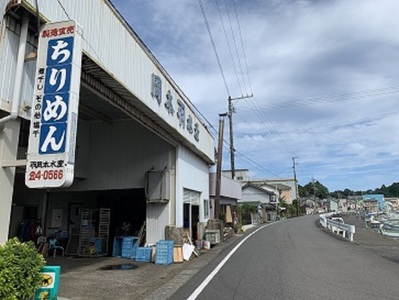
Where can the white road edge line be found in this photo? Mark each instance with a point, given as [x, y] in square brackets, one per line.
[202, 286]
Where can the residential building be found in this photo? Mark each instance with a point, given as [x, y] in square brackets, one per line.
[379, 197]
[240, 174]
[394, 201]
[287, 187]
[339, 205]
[371, 205]
[230, 193]
[263, 198]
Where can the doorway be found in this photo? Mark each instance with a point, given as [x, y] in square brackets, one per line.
[191, 212]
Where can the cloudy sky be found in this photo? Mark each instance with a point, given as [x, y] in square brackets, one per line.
[324, 76]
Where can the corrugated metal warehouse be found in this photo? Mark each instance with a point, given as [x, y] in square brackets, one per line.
[141, 151]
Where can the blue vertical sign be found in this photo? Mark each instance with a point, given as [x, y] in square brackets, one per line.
[56, 95]
[51, 150]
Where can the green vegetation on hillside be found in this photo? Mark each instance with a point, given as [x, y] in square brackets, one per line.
[320, 191]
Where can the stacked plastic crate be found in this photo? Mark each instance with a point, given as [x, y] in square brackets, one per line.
[144, 254]
[125, 246]
[117, 246]
[213, 236]
[164, 252]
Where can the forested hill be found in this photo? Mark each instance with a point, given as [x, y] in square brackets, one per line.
[321, 192]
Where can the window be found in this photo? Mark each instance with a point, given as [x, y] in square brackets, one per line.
[191, 197]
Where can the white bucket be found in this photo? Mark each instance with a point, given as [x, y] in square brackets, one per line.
[207, 245]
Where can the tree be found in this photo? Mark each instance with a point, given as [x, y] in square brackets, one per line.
[302, 191]
[290, 209]
[336, 194]
[244, 212]
[316, 189]
[387, 191]
[348, 192]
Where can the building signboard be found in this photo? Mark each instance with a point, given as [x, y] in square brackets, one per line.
[188, 123]
[52, 137]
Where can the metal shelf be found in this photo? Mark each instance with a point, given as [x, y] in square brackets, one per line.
[94, 232]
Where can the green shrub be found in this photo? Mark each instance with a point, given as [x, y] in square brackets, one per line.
[222, 216]
[20, 266]
[237, 227]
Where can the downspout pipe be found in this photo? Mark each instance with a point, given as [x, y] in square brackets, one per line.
[18, 74]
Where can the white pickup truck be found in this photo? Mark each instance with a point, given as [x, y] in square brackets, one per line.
[338, 220]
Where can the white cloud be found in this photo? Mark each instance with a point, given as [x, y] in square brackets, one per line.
[315, 69]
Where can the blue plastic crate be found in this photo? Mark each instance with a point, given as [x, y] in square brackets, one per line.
[134, 249]
[164, 252]
[117, 246]
[165, 245]
[129, 246]
[128, 241]
[125, 246]
[163, 259]
[144, 254]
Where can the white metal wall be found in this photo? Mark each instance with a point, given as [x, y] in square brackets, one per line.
[191, 173]
[9, 41]
[250, 194]
[120, 154]
[228, 187]
[158, 216]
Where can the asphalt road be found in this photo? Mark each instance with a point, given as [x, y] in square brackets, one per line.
[295, 259]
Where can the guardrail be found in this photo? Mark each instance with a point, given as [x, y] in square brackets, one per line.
[347, 230]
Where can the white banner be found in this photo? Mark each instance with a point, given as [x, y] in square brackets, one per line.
[52, 137]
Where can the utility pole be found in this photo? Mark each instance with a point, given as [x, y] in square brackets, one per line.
[277, 201]
[296, 185]
[219, 165]
[314, 189]
[230, 112]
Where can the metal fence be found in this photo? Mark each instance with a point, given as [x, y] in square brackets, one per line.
[346, 230]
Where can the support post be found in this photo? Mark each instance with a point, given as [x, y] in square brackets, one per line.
[219, 166]
[230, 114]
[8, 151]
[232, 165]
[296, 186]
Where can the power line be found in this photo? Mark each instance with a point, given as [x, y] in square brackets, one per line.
[242, 46]
[256, 164]
[229, 47]
[241, 155]
[259, 111]
[263, 118]
[336, 98]
[213, 46]
[342, 124]
[63, 8]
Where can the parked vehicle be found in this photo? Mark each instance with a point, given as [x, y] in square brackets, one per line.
[337, 219]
